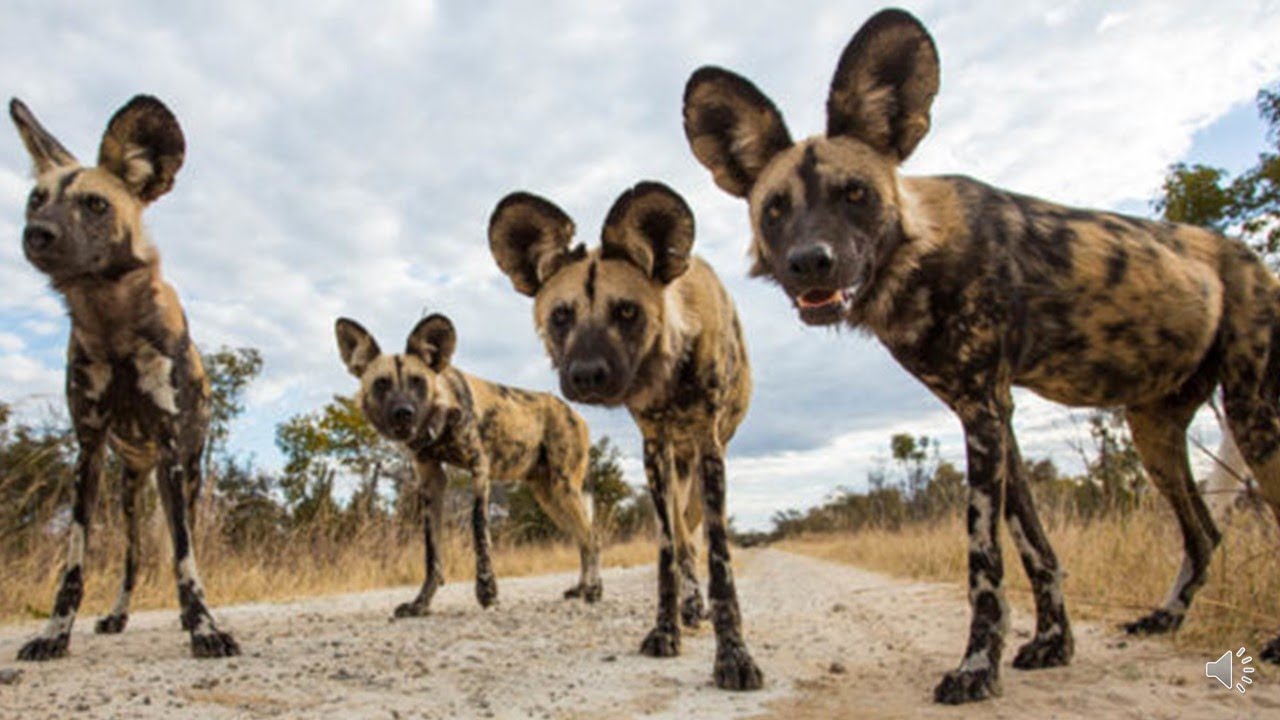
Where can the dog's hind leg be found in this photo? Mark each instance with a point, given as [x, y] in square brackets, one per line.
[131, 482]
[56, 636]
[568, 508]
[1160, 436]
[1250, 389]
[688, 521]
[1053, 644]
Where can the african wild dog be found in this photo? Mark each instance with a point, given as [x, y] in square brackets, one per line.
[640, 322]
[975, 289]
[135, 381]
[439, 414]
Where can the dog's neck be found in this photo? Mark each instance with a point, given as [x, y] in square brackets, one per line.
[112, 313]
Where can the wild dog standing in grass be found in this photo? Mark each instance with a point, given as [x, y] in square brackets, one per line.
[440, 415]
[641, 322]
[134, 378]
[975, 289]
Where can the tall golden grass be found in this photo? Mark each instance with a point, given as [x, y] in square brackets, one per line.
[376, 555]
[1117, 567]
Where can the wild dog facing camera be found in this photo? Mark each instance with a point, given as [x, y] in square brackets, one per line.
[397, 392]
[600, 315]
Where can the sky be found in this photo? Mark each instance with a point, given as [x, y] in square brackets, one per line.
[343, 159]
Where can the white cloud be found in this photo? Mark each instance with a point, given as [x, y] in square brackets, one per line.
[345, 161]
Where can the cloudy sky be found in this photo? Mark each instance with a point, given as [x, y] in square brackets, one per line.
[343, 159]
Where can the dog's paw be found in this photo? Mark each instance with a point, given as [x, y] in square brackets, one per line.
[661, 642]
[111, 624]
[693, 610]
[412, 610]
[45, 648]
[593, 592]
[735, 670]
[216, 644]
[1271, 651]
[1157, 623]
[1052, 651]
[964, 686]
[486, 591]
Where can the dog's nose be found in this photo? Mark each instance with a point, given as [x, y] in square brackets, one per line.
[811, 262]
[402, 414]
[589, 376]
[38, 238]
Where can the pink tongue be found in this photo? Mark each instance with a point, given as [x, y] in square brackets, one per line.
[819, 298]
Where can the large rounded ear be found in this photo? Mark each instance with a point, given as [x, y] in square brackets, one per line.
[651, 226]
[45, 150]
[144, 147]
[529, 237]
[884, 85]
[732, 128]
[433, 340]
[356, 345]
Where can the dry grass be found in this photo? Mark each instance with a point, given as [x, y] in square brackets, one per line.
[377, 556]
[1117, 568]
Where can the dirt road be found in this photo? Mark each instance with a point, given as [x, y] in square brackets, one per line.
[833, 641]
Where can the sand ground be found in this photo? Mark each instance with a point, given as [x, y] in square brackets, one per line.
[833, 641]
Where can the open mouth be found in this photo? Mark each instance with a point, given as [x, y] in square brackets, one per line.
[827, 298]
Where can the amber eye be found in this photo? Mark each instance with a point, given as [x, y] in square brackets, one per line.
[381, 386]
[37, 198]
[95, 204]
[626, 313]
[776, 208]
[855, 193]
[562, 317]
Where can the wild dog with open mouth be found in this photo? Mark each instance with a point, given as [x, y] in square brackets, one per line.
[440, 414]
[974, 289]
[641, 322]
[135, 381]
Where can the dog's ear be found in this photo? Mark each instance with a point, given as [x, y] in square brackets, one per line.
[45, 150]
[356, 345]
[732, 128]
[144, 147]
[433, 340]
[651, 226]
[884, 85]
[529, 237]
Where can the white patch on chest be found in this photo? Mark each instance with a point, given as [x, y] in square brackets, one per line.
[97, 378]
[155, 378]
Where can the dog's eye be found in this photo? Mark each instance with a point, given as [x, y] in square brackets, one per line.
[626, 313]
[855, 193]
[37, 198]
[381, 386]
[776, 208]
[562, 317]
[95, 204]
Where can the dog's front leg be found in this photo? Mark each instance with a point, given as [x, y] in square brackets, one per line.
[486, 584]
[207, 640]
[432, 481]
[986, 430]
[734, 668]
[664, 639]
[56, 636]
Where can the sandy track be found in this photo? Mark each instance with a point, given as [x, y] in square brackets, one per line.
[542, 657]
